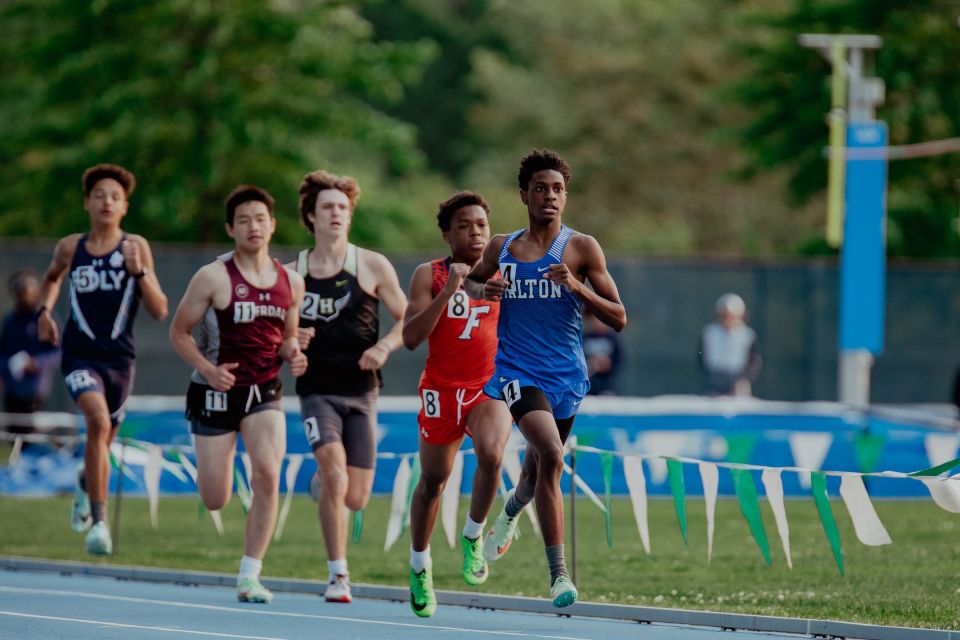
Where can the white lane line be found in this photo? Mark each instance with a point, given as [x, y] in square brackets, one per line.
[289, 614]
[104, 623]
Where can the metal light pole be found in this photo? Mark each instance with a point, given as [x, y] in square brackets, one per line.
[859, 187]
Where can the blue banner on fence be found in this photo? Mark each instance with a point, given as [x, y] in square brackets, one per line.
[810, 435]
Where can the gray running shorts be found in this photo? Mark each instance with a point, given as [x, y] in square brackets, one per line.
[351, 420]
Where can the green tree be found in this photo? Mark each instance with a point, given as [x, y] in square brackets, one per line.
[440, 103]
[628, 93]
[196, 96]
[786, 89]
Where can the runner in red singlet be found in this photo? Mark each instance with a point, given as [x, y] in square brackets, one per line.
[462, 338]
[247, 303]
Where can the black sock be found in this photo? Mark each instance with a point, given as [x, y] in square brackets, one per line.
[82, 480]
[514, 506]
[557, 562]
[98, 509]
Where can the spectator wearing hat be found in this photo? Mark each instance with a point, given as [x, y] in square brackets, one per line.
[728, 350]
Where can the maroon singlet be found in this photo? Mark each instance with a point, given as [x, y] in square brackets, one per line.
[249, 330]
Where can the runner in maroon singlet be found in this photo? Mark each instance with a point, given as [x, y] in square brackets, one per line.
[247, 303]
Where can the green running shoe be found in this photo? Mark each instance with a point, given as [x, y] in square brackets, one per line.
[563, 592]
[80, 517]
[423, 600]
[250, 590]
[474, 564]
[99, 542]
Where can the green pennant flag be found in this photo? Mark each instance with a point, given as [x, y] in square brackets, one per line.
[867, 448]
[675, 476]
[414, 479]
[357, 525]
[818, 486]
[606, 461]
[740, 447]
[746, 491]
[937, 470]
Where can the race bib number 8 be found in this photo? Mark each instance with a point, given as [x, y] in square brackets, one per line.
[431, 403]
[511, 392]
[459, 305]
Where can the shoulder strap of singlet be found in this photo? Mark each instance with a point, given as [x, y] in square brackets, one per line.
[556, 249]
[282, 273]
[302, 262]
[506, 243]
[352, 261]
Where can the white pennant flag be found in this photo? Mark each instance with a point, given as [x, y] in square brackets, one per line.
[450, 500]
[637, 486]
[941, 447]
[294, 462]
[398, 502]
[866, 523]
[192, 472]
[667, 444]
[710, 476]
[583, 486]
[945, 493]
[773, 485]
[809, 451]
[151, 482]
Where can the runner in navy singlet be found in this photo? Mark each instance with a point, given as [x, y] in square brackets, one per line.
[540, 370]
[340, 333]
[246, 304]
[110, 273]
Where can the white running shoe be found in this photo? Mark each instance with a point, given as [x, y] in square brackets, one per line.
[80, 518]
[99, 542]
[338, 590]
[502, 533]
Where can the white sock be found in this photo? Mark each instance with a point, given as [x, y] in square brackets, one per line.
[473, 530]
[420, 560]
[337, 568]
[249, 568]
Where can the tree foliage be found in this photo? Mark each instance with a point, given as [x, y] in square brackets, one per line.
[787, 91]
[196, 96]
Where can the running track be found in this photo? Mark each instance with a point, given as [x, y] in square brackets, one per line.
[45, 604]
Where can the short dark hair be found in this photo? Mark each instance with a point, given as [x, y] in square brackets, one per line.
[317, 181]
[457, 201]
[246, 193]
[14, 282]
[539, 160]
[98, 172]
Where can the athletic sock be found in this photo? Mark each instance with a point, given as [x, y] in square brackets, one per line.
[337, 568]
[473, 530]
[514, 506]
[82, 480]
[556, 561]
[420, 560]
[249, 568]
[98, 509]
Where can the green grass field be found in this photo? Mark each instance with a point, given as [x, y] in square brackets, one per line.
[912, 582]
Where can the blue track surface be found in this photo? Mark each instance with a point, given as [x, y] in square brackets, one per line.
[45, 605]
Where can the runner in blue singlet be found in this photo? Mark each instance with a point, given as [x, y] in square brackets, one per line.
[540, 369]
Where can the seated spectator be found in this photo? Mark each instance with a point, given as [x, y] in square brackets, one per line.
[603, 352]
[26, 364]
[728, 350]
